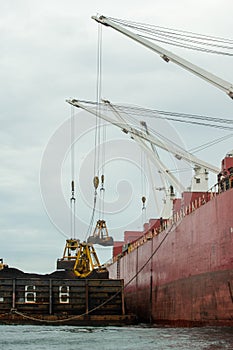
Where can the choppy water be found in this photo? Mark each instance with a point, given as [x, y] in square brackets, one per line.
[111, 338]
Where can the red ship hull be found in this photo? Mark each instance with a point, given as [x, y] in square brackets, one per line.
[183, 275]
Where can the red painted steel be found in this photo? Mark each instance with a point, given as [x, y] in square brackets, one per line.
[130, 236]
[189, 278]
[117, 247]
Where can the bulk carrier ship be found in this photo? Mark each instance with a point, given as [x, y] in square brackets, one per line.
[179, 269]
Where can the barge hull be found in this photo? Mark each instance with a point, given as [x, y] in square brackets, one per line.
[59, 301]
[73, 320]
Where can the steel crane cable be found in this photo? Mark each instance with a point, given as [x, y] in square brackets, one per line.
[139, 111]
[189, 38]
[188, 116]
[97, 128]
[97, 105]
[210, 143]
[171, 30]
[167, 115]
[179, 117]
[103, 155]
[180, 38]
[155, 113]
[101, 131]
[168, 33]
[221, 121]
[186, 46]
[143, 184]
[72, 156]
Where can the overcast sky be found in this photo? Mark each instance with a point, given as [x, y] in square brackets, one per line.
[48, 53]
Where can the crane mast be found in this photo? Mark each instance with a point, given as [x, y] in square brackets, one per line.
[167, 56]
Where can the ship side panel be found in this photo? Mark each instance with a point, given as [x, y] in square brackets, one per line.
[201, 299]
[189, 275]
[128, 268]
[145, 281]
[195, 277]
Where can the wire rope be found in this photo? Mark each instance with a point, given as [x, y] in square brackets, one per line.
[97, 129]
[181, 38]
[72, 158]
[143, 184]
[213, 122]
[200, 120]
[160, 114]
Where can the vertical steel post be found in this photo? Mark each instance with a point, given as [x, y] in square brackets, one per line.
[87, 296]
[50, 296]
[137, 283]
[122, 297]
[13, 292]
[151, 281]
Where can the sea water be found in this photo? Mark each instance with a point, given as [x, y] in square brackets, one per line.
[111, 338]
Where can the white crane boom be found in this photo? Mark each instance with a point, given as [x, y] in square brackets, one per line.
[170, 177]
[177, 152]
[224, 85]
[151, 153]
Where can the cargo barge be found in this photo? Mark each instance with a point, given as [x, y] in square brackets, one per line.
[62, 297]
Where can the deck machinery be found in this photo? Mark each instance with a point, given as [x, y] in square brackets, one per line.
[81, 258]
[100, 235]
[2, 265]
